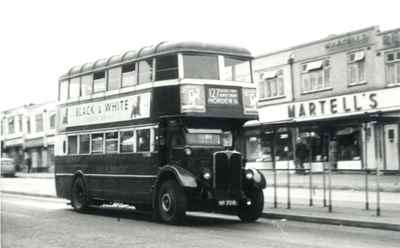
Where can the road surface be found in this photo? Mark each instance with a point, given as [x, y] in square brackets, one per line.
[45, 222]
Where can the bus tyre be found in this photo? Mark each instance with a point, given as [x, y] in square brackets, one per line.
[79, 197]
[250, 213]
[172, 202]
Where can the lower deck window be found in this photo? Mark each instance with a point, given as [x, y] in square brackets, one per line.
[97, 143]
[84, 144]
[112, 142]
[143, 140]
[72, 144]
[126, 141]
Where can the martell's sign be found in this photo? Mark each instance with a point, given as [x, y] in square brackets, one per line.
[113, 110]
[344, 105]
[335, 105]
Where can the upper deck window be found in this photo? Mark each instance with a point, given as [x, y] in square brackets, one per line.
[129, 75]
[63, 90]
[145, 71]
[86, 85]
[74, 87]
[114, 78]
[200, 66]
[99, 81]
[166, 67]
[237, 69]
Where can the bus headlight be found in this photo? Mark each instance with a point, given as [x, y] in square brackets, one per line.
[249, 174]
[207, 175]
[188, 151]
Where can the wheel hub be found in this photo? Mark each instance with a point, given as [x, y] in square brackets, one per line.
[166, 202]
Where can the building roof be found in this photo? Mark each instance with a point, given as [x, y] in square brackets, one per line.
[159, 49]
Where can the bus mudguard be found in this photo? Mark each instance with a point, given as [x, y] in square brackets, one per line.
[184, 177]
[259, 180]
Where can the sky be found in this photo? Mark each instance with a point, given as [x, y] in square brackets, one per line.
[42, 39]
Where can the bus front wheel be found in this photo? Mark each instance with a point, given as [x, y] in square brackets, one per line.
[251, 212]
[172, 202]
[79, 197]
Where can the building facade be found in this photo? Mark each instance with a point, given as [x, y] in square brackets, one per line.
[338, 96]
[28, 131]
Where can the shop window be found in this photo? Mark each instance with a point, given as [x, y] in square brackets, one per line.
[200, 66]
[143, 140]
[283, 146]
[129, 76]
[114, 78]
[20, 122]
[63, 91]
[99, 81]
[315, 76]
[236, 69]
[74, 87]
[145, 71]
[98, 143]
[258, 148]
[28, 125]
[166, 67]
[392, 67]
[127, 141]
[86, 85]
[84, 144]
[39, 122]
[271, 84]
[112, 142]
[348, 143]
[356, 68]
[11, 125]
[316, 146]
[72, 144]
[52, 121]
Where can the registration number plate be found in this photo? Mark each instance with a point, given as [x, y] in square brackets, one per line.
[227, 203]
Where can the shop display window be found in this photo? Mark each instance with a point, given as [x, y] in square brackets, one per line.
[348, 142]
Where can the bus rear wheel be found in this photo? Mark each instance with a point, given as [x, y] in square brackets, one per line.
[250, 213]
[79, 197]
[172, 202]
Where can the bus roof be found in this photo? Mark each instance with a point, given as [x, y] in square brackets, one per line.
[159, 49]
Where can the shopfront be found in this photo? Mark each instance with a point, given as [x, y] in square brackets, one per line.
[349, 132]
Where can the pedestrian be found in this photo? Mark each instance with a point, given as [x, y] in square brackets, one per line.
[301, 155]
[29, 163]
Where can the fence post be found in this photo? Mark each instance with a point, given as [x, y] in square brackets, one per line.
[366, 166]
[378, 155]
[293, 134]
[310, 175]
[274, 168]
[324, 183]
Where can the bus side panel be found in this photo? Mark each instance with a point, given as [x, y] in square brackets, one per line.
[88, 165]
[63, 186]
[142, 169]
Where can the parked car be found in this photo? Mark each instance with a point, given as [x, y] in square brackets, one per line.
[7, 167]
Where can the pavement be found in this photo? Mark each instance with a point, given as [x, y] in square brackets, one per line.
[348, 199]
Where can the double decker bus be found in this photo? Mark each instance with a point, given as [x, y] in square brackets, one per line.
[159, 128]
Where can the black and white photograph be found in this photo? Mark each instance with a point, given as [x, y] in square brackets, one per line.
[200, 124]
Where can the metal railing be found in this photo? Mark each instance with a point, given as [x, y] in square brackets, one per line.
[327, 186]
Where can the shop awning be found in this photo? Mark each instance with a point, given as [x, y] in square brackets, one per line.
[269, 74]
[358, 56]
[314, 65]
[346, 131]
